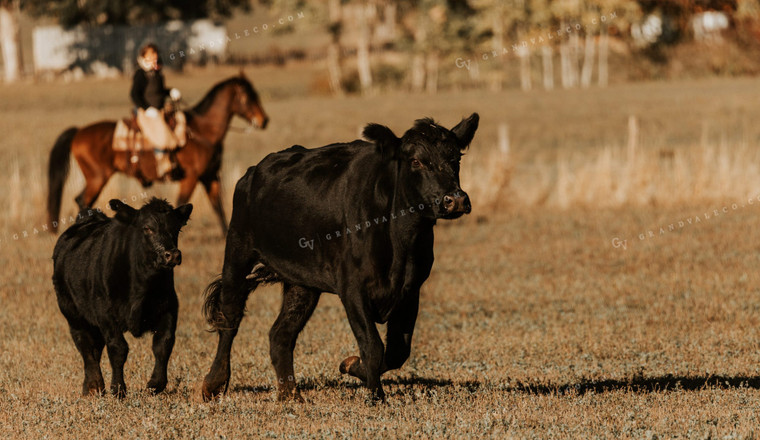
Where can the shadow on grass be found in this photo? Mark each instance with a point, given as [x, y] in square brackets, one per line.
[638, 384]
[253, 389]
[635, 384]
[641, 385]
[311, 384]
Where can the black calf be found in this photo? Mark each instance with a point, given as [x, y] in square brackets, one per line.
[113, 275]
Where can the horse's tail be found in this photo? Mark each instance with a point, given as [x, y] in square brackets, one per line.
[58, 171]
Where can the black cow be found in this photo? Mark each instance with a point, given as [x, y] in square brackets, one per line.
[355, 219]
[113, 275]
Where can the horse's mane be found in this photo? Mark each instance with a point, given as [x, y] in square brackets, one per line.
[205, 104]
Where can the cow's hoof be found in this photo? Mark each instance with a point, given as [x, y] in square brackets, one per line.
[156, 386]
[214, 384]
[345, 366]
[292, 396]
[211, 392]
[93, 389]
[375, 399]
[119, 391]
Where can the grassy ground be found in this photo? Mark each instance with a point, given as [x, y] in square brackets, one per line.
[541, 319]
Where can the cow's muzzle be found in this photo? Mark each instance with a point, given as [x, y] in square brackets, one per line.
[172, 257]
[456, 204]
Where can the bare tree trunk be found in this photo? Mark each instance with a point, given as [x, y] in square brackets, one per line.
[588, 61]
[362, 50]
[564, 60]
[603, 51]
[10, 41]
[418, 60]
[546, 55]
[333, 49]
[568, 51]
[334, 11]
[474, 72]
[389, 20]
[574, 52]
[333, 68]
[523, 52]
[497, 44]
[431, 85]
[418, 72]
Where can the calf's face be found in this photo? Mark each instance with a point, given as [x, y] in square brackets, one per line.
[429, 157]
[157, 225]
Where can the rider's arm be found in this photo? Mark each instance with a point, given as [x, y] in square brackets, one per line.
[163, 84]
[171, 93]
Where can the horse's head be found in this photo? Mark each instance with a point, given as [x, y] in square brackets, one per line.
[246, 104]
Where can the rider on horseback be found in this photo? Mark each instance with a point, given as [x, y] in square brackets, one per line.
[148, 95]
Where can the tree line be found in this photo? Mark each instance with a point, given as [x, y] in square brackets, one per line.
[478, 37]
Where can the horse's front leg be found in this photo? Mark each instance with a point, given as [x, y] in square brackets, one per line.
[213, 188]
[95, 176]
[186, 188]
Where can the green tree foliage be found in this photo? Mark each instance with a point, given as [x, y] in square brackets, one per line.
[99, 12]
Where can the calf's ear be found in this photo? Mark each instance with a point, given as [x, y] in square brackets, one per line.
[183, 212]
[124, 212]
[388, 145]
[465, 130]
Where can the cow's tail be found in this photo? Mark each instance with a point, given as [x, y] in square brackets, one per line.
[215, 302]
[58, 171]
[212, 306]
[212, 298]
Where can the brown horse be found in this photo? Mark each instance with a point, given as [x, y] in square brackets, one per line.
[199, 160]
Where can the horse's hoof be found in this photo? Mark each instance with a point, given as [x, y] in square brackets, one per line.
[345, 366]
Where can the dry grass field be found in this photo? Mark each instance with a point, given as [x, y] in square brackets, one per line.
[564, 306]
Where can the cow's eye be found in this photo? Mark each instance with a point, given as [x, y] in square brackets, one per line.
[416, 163]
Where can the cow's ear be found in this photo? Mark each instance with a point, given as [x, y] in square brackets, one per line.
[388, 145]
[183, 212]
[465, 130]
[124, 212]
